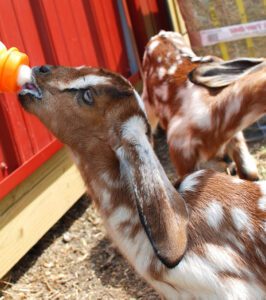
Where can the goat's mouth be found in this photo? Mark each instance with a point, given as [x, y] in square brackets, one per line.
[31, 89]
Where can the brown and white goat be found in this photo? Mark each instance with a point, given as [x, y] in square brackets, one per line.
[202, 103]
[205, 241]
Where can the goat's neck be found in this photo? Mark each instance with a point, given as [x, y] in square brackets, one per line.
[110, 194]
[240, 106]
[115, 177]
[138, 197]
[100, 171]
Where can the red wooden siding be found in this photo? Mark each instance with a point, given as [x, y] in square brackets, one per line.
[148, 17]
[26, 135]
[65, 32]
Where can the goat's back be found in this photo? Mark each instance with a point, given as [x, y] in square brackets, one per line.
[227, 224]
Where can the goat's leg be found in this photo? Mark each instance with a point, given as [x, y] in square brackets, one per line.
[152, 117]
[184, 160]
[238, 151]
[150, 109]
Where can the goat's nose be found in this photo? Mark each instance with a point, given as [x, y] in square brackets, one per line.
[42, 69]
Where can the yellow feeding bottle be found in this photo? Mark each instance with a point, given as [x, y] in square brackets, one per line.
[14, 69]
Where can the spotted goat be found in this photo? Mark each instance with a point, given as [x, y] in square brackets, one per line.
[203, 103]
[205, 240]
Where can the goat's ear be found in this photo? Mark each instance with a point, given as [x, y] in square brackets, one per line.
[161, 208]
[164, 216]
[221, 74]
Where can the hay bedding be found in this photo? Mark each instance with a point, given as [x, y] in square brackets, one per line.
[208, 14]
[75, 260]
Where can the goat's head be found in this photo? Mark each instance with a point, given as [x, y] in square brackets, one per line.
[85, 107]
[78, 104]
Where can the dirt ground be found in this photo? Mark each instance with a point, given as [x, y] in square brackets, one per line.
[75, 259]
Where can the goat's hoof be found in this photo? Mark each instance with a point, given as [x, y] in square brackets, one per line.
[250, 176]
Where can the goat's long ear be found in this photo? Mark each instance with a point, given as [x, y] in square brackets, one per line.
[161, 209]
[221, 74]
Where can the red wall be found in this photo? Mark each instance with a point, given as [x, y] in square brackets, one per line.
[65, 32]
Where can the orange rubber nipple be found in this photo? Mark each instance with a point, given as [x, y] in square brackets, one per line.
[10, 62]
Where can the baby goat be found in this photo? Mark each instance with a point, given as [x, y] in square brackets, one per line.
[202, 103]
[205, 241]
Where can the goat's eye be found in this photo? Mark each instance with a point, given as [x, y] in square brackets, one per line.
[87, 97]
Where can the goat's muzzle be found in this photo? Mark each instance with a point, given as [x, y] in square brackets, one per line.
[30, 91]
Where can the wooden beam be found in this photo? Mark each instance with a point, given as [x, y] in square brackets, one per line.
[177, 19]
[34, 206]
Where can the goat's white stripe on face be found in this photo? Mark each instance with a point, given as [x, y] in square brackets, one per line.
[82, 82]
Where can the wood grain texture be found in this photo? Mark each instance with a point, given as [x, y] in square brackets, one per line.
[28, 212]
